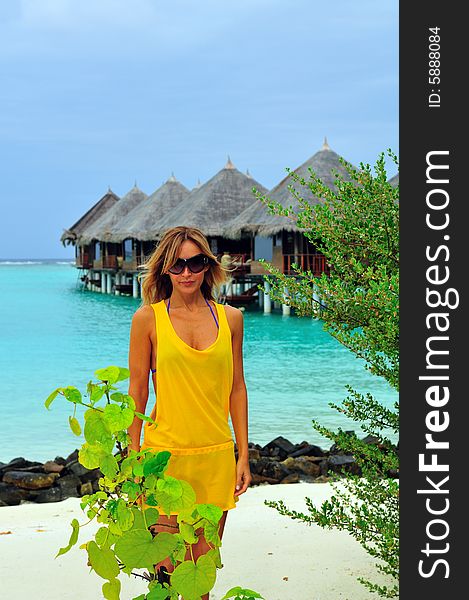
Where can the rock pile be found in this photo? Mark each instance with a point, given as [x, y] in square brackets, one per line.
[279, 461]
[54, 480]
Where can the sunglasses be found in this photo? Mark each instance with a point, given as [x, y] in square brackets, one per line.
[195, 263]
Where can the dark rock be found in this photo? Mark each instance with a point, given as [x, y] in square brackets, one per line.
[303, 464]
[11, 495]
[334, 449]
[91, 475]
[60, 460]
[291, 478]
[268, 467]
[254, 454]
[86, 488]
[72, 457]
[52, 467]
[69, 485]
[321, 479]
[309, 450]
[32, 469]
[77, 469]
[30, 481]
[18, 463]
[257, 479]
[280, 446]
[253, 445]
[52, 494]
[345, 463]
[324, 467]
[371, 439]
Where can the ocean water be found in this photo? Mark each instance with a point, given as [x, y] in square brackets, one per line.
[54, 334]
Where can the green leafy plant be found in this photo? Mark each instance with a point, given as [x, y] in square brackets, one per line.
[132, 485]
[238, 593]
[356, 227]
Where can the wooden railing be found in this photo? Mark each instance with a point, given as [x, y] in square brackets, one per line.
[110, 262]
[84, 261]
[316, 263]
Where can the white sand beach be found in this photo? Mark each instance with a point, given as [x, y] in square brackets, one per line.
[262, 550]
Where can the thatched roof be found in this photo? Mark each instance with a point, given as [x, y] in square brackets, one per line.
[101, 207]
[142, 222]
[212, 205]
[102, 228]
[257, 219]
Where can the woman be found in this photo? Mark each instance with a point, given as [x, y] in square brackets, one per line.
[193, 347]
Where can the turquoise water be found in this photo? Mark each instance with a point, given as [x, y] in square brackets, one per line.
[53, 334]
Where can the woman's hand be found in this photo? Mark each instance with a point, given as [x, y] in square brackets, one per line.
[243, 476]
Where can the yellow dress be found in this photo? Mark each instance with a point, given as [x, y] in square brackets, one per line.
[193, 390]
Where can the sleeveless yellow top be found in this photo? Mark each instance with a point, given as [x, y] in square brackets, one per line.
[193, 390]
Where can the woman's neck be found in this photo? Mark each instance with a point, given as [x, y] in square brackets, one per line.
[189, 301]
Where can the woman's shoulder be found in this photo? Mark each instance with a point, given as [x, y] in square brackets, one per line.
[143, 314]
[234, 317]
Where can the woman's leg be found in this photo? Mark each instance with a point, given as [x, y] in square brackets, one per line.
[202, 547]
[170, 525]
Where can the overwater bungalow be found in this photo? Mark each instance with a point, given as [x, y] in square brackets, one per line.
[71, 235]
[278, 239]
[212, 205]
[137, 231]
[96, 241]
[238, 226]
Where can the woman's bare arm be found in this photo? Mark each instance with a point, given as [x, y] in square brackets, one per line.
[139, 366]
[238, 398]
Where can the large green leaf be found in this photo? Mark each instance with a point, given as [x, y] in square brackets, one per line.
[96, 392]
[117, 418]
[103, 561]
[96, 429]
[90, 455]
[123, 374]
[125, 516]
[138, 549]
[193, 580]
[210, 512]
[188, 533]
[151, 516]
[74, 425]
[211, 533]
[238, 591]
[104, 537]
[72, 394]
[156, 464]
[73, 538]
[51, 398]
[108, 466]
[108, 374]
[169, 502]
[214, 554]
[132, 489]
[111, 589]
[157, 592]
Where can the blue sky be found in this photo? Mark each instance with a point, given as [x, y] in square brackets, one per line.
[99, 93]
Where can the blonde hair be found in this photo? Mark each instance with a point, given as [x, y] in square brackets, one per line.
[156, 284]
